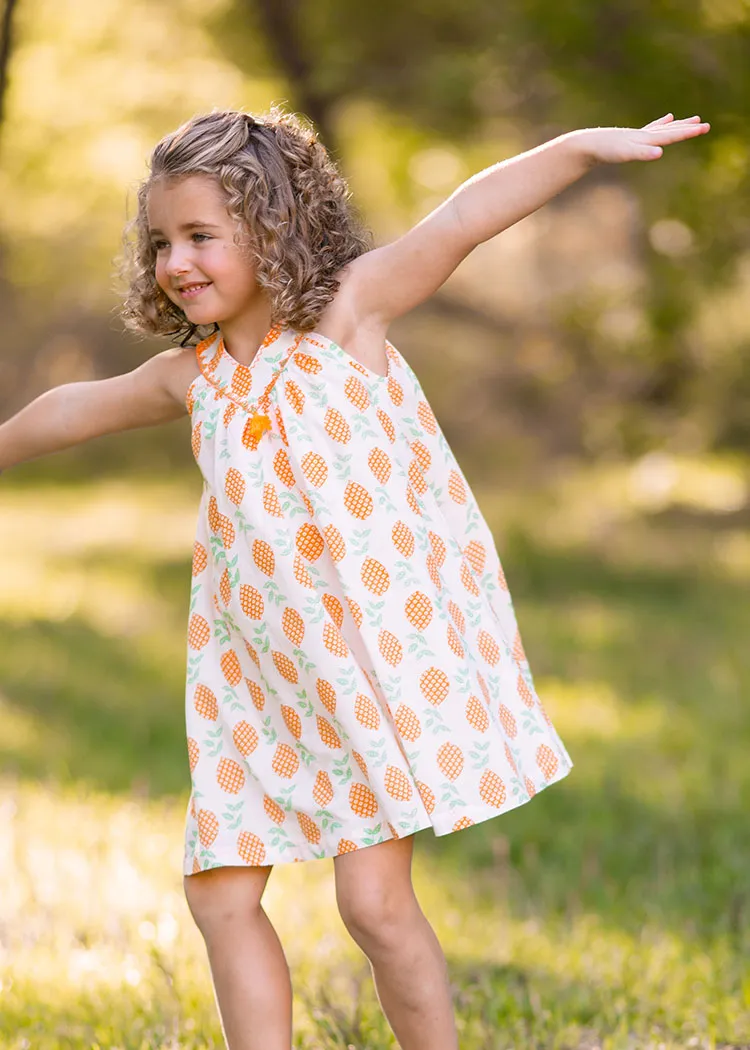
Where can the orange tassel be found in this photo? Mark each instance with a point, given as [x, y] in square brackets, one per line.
[258, 424]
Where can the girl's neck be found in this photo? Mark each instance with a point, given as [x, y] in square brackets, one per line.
[244, 335]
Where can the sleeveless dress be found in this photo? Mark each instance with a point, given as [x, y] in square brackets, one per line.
[354, 667]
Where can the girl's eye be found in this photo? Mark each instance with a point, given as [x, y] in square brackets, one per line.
[158, 245]
[205, 236]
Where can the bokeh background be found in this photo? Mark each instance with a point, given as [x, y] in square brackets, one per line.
[589, 367]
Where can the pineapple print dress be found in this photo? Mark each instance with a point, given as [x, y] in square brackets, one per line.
[354, 668]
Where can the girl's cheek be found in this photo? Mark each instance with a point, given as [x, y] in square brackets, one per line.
[160, 276]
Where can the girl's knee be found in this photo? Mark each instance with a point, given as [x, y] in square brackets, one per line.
[221, 897]
[374, 892]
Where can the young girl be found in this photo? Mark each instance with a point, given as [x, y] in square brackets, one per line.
[354, 668]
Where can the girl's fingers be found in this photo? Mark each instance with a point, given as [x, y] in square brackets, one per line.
[678, 130]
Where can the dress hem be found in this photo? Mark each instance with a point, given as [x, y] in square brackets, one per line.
[477, 814]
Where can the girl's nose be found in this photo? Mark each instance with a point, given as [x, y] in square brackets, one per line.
[177, 264]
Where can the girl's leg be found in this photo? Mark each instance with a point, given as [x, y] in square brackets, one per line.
[377, 903]
[248, 967]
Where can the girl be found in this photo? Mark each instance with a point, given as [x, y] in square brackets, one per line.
[354, 668]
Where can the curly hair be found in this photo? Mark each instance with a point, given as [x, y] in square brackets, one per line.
[282, 186]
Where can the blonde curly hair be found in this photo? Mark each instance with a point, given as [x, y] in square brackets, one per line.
[282, 186]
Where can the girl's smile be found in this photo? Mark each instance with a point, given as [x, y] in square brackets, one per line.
[190, 291]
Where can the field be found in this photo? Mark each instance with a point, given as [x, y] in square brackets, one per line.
[612, 912]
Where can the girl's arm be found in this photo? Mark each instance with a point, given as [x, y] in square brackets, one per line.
[387, 282]
[75, 412]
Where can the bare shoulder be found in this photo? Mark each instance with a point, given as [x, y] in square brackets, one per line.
[179, 367]
[344, 323]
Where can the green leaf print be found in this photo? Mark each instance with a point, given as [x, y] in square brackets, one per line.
[216, 543]
[349, 679]
[362, 428]
[375, 618]
[260, 633]
[279, 838]
[284, 543]
[433, 720]
[306, 707]
[214, 743]
[384, 500]
[290, 503]
[360, 541]
[463, 681]
[488, 582]
[451, 795]
[517, 788]
[194, 592]
[415, 427]
[313, 611]
[222, 631]
[268, 731]
[472, 517]
[245, 526]
[405, 573]
[209, 425]
[392, 687]
[445, 448]
[194, 664]
[344, 771]
[318, 393]
[378, 753]
[529, 723]
[481, 754]
[304, 662]
[373, 835]
[307, 757]
[474, 613]
[233, 815]
[419, 646]
[284, 797]
[408, 821]
[300, 433]
[422, 539]
[327, 820]
[319, 581]
[273, 593]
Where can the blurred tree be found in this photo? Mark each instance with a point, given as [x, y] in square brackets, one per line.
[6, 49]
[529, 71]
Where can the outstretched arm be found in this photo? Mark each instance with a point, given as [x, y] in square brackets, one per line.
[391, 280]
[76, 412]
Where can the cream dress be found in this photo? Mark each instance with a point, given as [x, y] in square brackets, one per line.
[354, 668]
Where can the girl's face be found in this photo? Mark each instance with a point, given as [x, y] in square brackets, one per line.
[198, 264]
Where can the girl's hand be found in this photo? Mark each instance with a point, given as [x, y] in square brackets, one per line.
[618, 145]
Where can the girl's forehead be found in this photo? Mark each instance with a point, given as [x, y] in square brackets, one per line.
[198, 197]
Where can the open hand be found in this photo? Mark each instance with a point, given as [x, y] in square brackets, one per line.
[618, 145]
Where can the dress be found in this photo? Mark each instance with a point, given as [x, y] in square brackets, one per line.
[354, 667]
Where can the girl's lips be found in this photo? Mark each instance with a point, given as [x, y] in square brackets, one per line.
[191, 291]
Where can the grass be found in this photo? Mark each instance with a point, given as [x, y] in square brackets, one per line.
[612, 912]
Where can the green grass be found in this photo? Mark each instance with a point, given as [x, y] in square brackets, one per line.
[612, 912]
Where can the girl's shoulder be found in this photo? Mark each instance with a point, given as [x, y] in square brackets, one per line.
[181, 369]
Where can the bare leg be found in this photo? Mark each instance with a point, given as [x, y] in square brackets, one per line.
[249, 970]
[377, 903]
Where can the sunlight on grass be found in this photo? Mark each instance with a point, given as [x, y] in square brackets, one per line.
[611, 912]
[654, 511]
